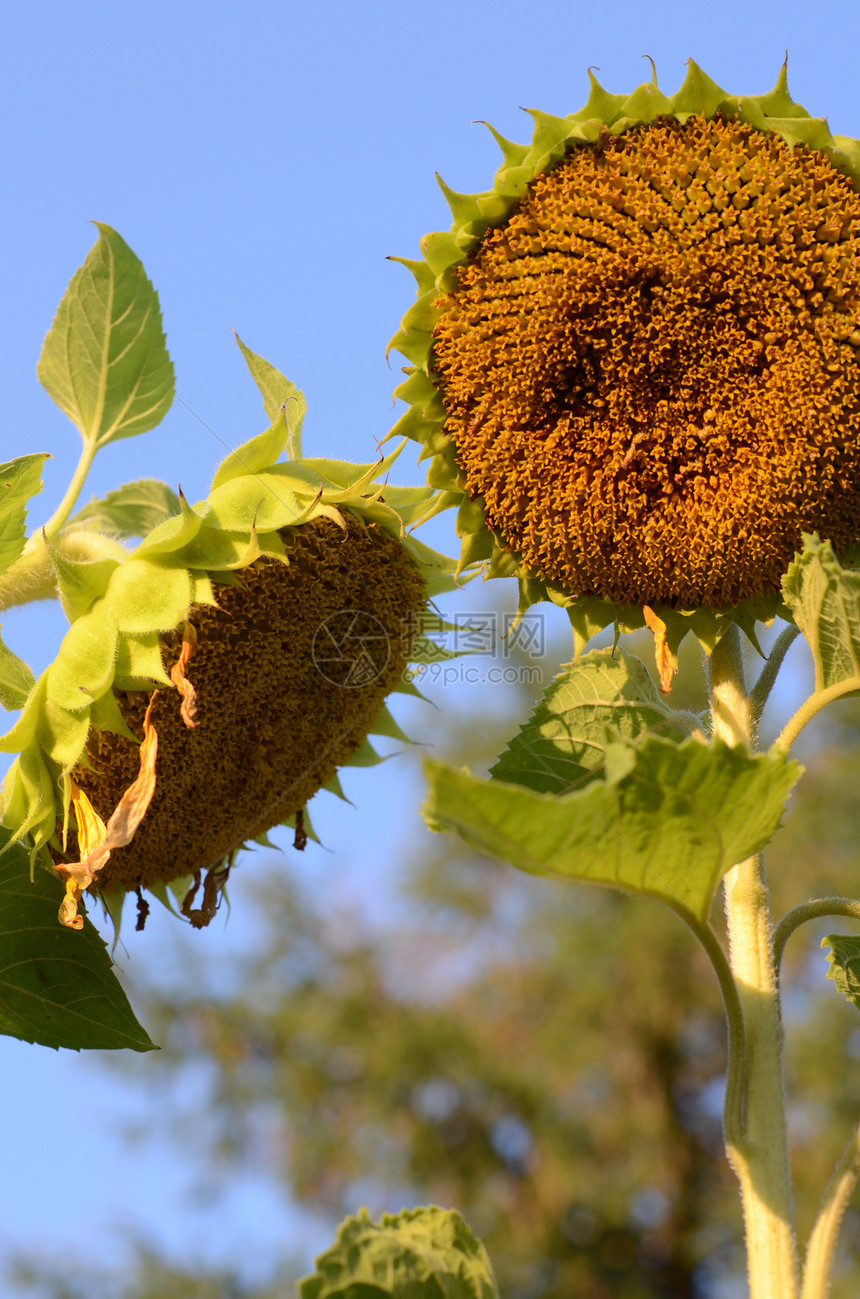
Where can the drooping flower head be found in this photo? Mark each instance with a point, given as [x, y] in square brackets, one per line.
[636, 360]
[216, 678]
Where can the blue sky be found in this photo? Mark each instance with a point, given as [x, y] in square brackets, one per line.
[263, 160]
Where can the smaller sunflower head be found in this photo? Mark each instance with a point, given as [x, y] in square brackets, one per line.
[212, 681]
[635, 362]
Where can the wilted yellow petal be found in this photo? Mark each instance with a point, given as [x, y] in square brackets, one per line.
[180, 680]
[68, 913]
[97, 840]
[91, 828]
[131, 808]
[667, 663]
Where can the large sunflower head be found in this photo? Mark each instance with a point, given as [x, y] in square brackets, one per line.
[635, 361]
[214, 679]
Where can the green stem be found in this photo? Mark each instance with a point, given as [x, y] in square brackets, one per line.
[735, 1071]
[822, 1241]
[762, 688]
[692, 724]
[813, 705]
[761, 1158]
[809, 911]
[31, 577]
[73, 491]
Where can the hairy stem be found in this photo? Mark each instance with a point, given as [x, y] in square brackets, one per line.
[811, 707]
[822, 1241]
[32, 576]
[812, 910]
[73, 491]
[761, 1158]
[762, 688]
[735, 1071]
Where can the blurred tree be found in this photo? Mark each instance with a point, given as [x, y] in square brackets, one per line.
[545, 1058]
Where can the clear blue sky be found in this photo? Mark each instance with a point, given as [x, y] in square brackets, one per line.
[263, 160]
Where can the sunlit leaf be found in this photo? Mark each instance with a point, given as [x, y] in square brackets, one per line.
[57, 985]
[132, 510]
[19, 480]
[104, 361]
[663, 819]
[564, 740]
[417, 1254]
[16, 679]
[824, 599]
[844, 958]
[277, 391]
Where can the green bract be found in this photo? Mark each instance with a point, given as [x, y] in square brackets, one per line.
[609, 491]
[291, 600]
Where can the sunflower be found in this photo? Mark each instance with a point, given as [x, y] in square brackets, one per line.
[635, 361]
[214, 679]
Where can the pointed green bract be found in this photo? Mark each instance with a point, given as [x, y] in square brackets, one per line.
[824, 599]
[564, 741]
[427, 1253]
[255, 455]
[665, 820]
[278, 394]
[16, 679]
[57, 987]
[104, 361]
[86, 668]
[132, 510]
[81, 582]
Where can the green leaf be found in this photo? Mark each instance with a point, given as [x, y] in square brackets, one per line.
[824, 599]
[276, 390]
[844, 959]
[564, 740]
[16, 679]
[104, 361]
[132, 510]
[664, 819]
[417, 1254]
[19, 480]
[57, 985]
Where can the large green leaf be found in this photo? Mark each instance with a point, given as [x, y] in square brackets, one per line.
[132, 510]
[19, 480]
[664, 819]
[57, 985]
[104, 361]
[824, 599]
[844, 958]
[417, 1254]
[564, 740]
[277, 391]
[16, 679]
